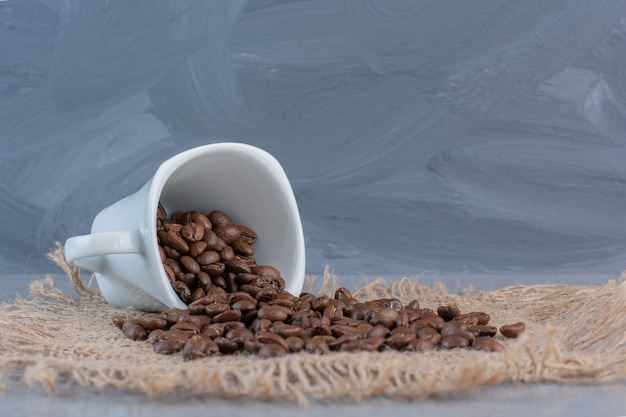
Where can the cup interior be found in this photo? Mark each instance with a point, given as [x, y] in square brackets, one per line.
[251, 187]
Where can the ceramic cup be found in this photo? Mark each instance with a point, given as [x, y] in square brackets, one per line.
[245, 182]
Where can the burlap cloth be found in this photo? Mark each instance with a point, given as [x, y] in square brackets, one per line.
[575, 334]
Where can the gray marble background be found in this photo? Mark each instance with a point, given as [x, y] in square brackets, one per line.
[456, 137]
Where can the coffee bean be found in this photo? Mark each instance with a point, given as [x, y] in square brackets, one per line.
[487, 344]
[171, 344]
[134, 331]
[271, 338]
[273, 313]
[296, 344]
[208, 257]
[271, 351]
[213, 241]
[229, 233]
[453, 342]
[236, 305]
[199, 346]
[242, 247]
[448, 312]
[150, 322]
[176, 242]
[192, 232]
[385, 316]
[219, 218]
[400, 340]
[316, 346]
[190, 264]
[202, 220]
[420, 345]
[247, 235]
[513, 331]
[483, 330]
[225, 345]
[240, 335]
[226, 316]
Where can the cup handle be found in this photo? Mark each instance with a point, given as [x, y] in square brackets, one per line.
[86, 251]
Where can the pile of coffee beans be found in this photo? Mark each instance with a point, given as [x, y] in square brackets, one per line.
[236, 305]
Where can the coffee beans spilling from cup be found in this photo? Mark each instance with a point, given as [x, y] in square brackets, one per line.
[236, 305]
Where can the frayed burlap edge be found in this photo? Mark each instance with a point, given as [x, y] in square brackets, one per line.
[575, 334]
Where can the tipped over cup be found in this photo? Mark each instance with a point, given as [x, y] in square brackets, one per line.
[244, 181]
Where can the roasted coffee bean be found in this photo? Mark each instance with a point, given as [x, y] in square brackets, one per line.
[171, 344]
[227, 254]
[190, 264]
[448, 312]
[219, 218]
[229, 233]
[192, 232]
[247, 235]
[420, 345]
[213, 330]
[243, 248]
[487, 344]
[266, 294]
[187, 326]
[271, 338]
[119, 321]
[378, 331]
[343, 294]
[134, 331]
[403, 319]
[400, 340]
[483, 330]
[481, 317]
[286, 330]
[215, 308]
[226, 316]
[161, 213]
[208, 257]
[240, 335]
[238, 265]
[433, 320]
[296, 344]
[182, 290]
[316, 346]
[385, 316]
[176, 242]
[202, 220]
[225, 345]
[413, 305]
[149, 322]
[197, 294]
[273, 313]
[215, 269]
[199, 346]
[453, 342]
[266, 271]
[271, 351]
[513, 331]
[452, 328]
[243, 305]
[252, 346]
[235, 304]
[213, 241]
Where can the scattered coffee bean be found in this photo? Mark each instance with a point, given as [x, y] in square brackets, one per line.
[513, 330]
[236, 305]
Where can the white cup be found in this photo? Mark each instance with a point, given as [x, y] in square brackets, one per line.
[243, 181]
